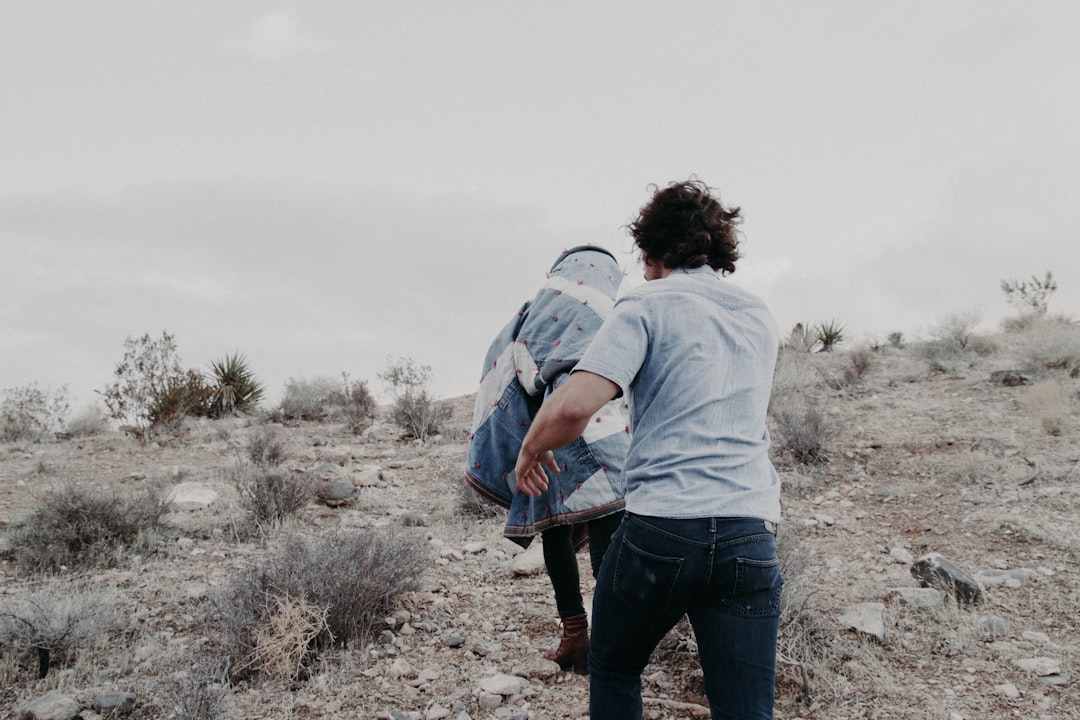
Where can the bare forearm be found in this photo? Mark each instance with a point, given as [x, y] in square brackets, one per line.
[562, 419]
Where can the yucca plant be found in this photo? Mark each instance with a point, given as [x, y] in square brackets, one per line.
[234, 385]
[830, 334]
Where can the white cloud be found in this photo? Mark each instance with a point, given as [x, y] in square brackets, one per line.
[277, 35]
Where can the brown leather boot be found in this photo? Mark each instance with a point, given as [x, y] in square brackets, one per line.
[574, 647]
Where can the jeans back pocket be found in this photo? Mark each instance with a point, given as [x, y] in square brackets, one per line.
[645, 580]
[758, 586]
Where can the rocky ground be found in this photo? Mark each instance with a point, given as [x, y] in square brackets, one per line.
[922, 457]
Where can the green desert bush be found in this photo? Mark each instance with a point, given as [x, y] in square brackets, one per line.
[415, 408]
[233, 386]
[77, 527]
[829, 334]
[151, 391]
[28, 413]
[350, 579]
[49, 625]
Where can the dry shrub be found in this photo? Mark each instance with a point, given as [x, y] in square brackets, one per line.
[29, 413]
[354, 577]
[269, 496]
[955, 329]
[91, 420]
[852, 372]
[77, 527]
[805, 655]
[1046, 401]
[421, 415]
[1053, 343]
[200, 692]
[265, 448]
[796, 373]
[49, 626]
[309, 399]
[803, 429]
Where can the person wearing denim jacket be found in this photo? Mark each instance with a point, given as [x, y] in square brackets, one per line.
[532, 355]
[695, 356]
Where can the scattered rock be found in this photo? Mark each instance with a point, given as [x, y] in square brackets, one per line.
[191, 496]
[530, 562]
[1008, 690]
[1008, 578]
[54, 706]
[993, 626]
[933, 570]
[503, 684]
[400, 668]
[411, 519]
[111, 704]
[901, 556]
[1009, 378]
[867, 618]
[925, 598]
[335, 493]
[1041, 666]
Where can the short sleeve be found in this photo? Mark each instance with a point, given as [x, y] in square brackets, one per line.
[618, 351]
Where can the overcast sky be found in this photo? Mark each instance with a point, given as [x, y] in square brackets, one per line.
[321, 185]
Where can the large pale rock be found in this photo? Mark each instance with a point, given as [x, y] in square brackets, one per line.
[113, 704]
[1041, 666]
[54, 706]
[924, 598]
[503, 684]
[867, 618]
[191, 496]
[530, 562]
[1009, 578]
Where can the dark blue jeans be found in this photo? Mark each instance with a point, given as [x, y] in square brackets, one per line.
[723, 573]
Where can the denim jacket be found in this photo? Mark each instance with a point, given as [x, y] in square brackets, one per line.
[527, 360]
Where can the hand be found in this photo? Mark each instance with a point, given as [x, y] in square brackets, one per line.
[529, 472]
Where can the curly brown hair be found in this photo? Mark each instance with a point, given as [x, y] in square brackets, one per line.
[683, 225]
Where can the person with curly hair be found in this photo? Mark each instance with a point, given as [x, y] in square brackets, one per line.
[695, 355]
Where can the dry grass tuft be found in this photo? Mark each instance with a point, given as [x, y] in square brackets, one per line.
[199, 692]
[1046, 401]
[284, 644]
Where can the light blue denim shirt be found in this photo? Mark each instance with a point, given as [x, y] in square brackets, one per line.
[695, 355]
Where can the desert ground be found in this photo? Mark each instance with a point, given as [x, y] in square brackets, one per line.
[966, 450]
